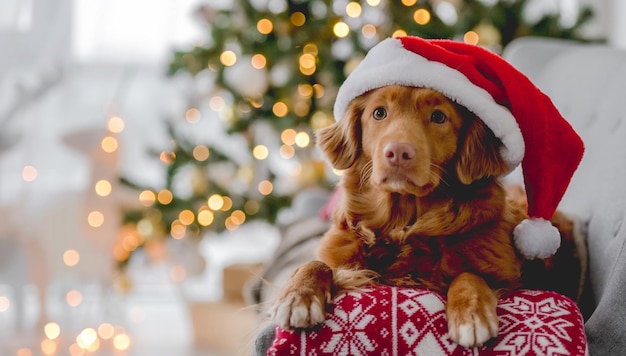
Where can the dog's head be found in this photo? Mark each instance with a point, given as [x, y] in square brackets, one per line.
[409, 140]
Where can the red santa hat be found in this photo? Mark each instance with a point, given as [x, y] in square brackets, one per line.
[531, 129]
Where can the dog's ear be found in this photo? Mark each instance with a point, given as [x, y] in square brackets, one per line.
[341, 141]
[479, 154]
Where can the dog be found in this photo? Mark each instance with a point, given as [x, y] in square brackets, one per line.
[422, 207]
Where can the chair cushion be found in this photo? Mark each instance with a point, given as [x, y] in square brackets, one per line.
[385, 320]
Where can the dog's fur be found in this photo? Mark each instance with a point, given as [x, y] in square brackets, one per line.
[422, 206]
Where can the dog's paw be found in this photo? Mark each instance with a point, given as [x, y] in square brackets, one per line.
[301, 308]
[472, 326]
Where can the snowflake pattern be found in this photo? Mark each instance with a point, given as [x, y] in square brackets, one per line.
[395, 321]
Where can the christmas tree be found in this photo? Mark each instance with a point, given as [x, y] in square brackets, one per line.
[269, 71]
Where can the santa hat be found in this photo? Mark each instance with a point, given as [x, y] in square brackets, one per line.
[530, 127]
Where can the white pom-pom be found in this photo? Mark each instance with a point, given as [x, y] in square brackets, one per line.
[537, 238]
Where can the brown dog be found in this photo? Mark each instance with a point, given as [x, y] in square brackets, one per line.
[422, 206]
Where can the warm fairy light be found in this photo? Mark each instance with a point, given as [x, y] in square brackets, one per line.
[74, 298]
[260, 152]
[398, 33]
[145, 227]
[305, 90]
[165, 197]
[193, 115]
[109, 144]
[201, 153]
[178, 230]
[71, 258]
[228, 58]
[310, 48]
[205, 217]
[186, 217]
[228, 203]
[307, 61]
[368, 31]
[215, 202]
[288, 136]
[52, 330]
[86, 338]
[258, 61]
[106, 331]
[95, 218]
[167, 157]
[238, 217]
[302, 139]
[147, 198]
[115, 124]
[24, 352]
[230, 225]
[251, 207]
[217, 103]
[75, 350]
[264, 26]
[353, 9]
[29, 173]
[5, 303]
[409, 2]
[287, 151]
[48, 347]
[421, 16]
[280, 109]
[318, 89]
[301, 108]
[266, 187]
[471, 37]
[121, 342]
[297, 19]
[103, 187]
[373, 2]
[319, 120]
[341, 29]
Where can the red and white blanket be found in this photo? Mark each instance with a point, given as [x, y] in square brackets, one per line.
[385, 320]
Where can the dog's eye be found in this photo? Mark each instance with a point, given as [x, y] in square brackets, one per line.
[438, 117]
[379, 113]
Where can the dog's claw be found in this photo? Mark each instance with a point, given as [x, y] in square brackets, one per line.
[298, 309]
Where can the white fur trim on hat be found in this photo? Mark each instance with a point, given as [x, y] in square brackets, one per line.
[536, 238]
[389, 63]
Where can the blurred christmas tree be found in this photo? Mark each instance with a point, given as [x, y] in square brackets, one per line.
[268, 74]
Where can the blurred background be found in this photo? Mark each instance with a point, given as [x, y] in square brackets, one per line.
[151, 151]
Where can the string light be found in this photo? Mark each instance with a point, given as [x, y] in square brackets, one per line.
[409, 2]
[5, 303]
[260, 152]
[286, 151]
[398, 33]
[167, 157]
[368, 31]
[341, 29]
[29, 173]
[353, 9]
[280, 109]
[71, 258]
[121, 342]
[215, 202]
[186, 217]
[115, 124]
[373, 3]
[217, 103]
[48, 347]
[471, 37]
[228, 203]
[302, 139]
[106, 331]
[310, 48]
[297, 19]
[201, 153]
[265, 187]
[147, 198]
[52, 330]
[165, 197]
[86, 338]
[205, 217]
[264, 26]
[251, 207]
[103, 187]
[192, 115]
[74, 298]
[258, 61]
[95, 219]
[109, 144]
[421, 16]
[228, 58]
[178, 229]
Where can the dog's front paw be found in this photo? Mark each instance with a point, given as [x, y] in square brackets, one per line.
[471, 311]
[472, 326]
[301, 308]
[303, 302]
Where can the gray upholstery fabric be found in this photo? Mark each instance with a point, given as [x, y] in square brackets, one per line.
[588, 85]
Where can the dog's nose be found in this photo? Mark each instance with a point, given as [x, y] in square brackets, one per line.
[399, 154]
